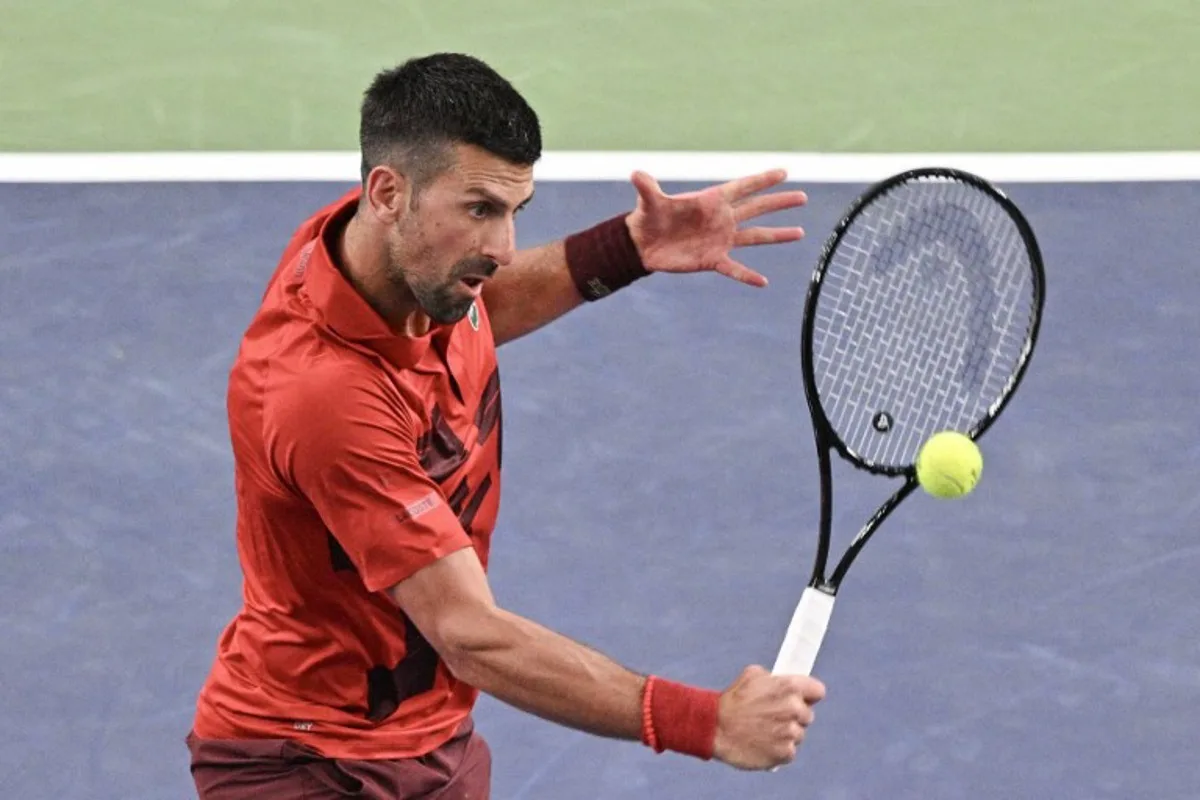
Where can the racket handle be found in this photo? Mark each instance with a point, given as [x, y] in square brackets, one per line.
[804, 634]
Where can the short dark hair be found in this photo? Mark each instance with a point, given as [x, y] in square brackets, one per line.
[415, 111]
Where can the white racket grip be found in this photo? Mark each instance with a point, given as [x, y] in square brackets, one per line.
[804, 634]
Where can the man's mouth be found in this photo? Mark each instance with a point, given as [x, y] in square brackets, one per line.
[475, 279]
[473, 284]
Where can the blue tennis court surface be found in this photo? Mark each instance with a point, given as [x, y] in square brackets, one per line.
[1040, 639]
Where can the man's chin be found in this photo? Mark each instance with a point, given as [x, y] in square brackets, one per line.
[448, 304]
[447, 314]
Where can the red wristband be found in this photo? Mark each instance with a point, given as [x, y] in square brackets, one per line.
[649, 737]
[603, 259]
[682, 718]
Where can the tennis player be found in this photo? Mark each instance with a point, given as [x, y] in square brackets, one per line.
[365, 417]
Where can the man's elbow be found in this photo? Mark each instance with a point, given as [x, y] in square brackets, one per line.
[466, 642]
[451, 605]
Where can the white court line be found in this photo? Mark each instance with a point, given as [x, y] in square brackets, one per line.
[606, 166]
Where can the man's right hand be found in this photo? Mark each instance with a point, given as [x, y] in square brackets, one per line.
[762, 718]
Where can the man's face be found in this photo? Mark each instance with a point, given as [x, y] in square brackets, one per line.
[458, 231]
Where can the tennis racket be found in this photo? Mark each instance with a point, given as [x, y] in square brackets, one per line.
[921, 316]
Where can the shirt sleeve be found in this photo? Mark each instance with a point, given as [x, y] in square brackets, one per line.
[346, 441]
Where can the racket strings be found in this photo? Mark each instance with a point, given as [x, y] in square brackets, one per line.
[922, 320]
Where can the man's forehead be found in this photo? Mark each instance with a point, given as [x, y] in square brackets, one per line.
[475, 168]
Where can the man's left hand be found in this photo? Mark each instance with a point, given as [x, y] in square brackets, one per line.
[695, 231]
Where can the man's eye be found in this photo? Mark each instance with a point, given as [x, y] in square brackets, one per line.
[480, 210]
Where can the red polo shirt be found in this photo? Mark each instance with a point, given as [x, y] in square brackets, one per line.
[361, 457]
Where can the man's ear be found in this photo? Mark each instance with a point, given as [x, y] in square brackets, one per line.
[387, 193]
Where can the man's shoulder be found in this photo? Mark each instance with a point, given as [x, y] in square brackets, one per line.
[340, 379]
[337, 405]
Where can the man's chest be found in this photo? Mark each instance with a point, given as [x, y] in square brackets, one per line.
[459, 438]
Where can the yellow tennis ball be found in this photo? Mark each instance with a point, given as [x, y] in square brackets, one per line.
[949, 465]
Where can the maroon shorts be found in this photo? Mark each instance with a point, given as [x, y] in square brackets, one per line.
[281, 769]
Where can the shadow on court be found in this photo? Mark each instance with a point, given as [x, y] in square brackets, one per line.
[1036, 640]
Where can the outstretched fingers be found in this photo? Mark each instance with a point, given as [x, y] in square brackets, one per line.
[741, 188]
[647, 187]
[741, 273]
[749, 237]
[768, 204]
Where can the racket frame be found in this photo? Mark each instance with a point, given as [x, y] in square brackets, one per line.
[827, 439]
[811, 618]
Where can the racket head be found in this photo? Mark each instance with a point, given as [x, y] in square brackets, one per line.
[921, 315]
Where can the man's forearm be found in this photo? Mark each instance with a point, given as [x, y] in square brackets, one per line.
[541, 672]
[534, 290]
[546, 282]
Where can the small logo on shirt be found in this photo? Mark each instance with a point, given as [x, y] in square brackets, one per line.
[302, 263]
[302, 726]
[473, 317]
[418, 507]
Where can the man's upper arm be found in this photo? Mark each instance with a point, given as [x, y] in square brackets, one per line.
[344, 439]
[451, 603]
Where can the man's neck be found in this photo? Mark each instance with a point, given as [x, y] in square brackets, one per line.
[362, 259]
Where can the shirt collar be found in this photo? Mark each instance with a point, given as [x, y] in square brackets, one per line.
[343, 310]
